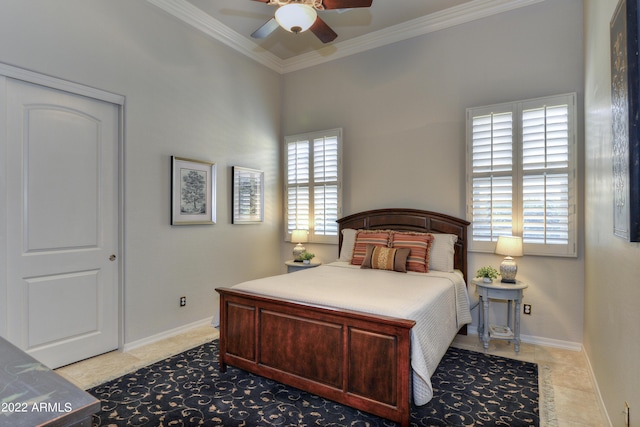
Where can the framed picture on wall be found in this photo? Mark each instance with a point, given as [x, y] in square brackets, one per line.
[248, 195]
[193, 191]
[625, 105]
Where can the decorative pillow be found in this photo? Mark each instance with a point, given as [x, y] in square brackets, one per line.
[381, 258]
[348, 242]
[420, 245]
[368, 237]
[442, 252]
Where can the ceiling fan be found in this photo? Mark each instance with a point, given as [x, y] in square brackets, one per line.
[297, 16]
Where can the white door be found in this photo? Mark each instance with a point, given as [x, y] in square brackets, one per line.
[61, 160]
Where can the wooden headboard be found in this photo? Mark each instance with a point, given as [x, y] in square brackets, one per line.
[413, 220]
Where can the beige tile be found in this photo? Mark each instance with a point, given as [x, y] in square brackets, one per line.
[577, 406]
[97, 370]
[570, 423]
[505, 349]
[573, 391]
[501, 348]
[167, 347]
[572, 377]
[560, 356]
[91, 372]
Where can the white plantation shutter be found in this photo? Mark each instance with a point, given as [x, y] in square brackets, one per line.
[521, 175]
[313, 187]
[546, 169]
[492, 169]
[298, 208]
[492, 208]
[546, 209]
[325, 190]
[298, 203]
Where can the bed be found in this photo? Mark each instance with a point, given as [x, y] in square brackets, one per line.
[371, 355]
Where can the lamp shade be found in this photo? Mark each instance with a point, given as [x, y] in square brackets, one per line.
[299, 236]
[509, 246]
[296, 17]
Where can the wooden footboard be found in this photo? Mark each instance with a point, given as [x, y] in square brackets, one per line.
[356, 359]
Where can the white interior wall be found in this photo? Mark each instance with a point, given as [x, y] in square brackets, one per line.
[612, 337]
[402, 109]
[188, 96]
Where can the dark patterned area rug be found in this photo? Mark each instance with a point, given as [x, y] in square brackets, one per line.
[470, 389]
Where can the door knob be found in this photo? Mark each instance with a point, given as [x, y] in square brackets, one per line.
[112, 257]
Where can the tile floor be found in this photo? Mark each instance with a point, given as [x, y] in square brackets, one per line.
[572, 394]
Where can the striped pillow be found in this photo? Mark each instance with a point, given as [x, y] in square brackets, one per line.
[420, 245]
[381, 258]
[368, 237]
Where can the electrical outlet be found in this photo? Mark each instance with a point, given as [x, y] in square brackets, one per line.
[183, 301]
[527, 309]
[626, 414]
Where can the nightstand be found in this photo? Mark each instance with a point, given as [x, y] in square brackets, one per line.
[510, 292]
[297, 266]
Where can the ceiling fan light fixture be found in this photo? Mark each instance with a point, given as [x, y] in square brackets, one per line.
[296, 17]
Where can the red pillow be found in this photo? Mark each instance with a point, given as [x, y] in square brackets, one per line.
[368, 237]
[420, 245]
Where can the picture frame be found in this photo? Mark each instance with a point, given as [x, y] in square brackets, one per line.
[248, 195]
[193, 191]
[625, 109]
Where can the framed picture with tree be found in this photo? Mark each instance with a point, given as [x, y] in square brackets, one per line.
[193, 191]
[248, 198]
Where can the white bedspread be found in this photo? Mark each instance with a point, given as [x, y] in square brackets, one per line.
[437, 301]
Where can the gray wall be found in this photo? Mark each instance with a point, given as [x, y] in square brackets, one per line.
[186, 95]
[612, 291]
[402, 108]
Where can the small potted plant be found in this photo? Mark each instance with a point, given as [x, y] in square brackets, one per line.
[306, 257]
[488, 274]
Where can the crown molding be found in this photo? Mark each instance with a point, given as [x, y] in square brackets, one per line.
[447, 18]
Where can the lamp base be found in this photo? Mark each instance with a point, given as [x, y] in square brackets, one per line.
[508, 270]
[297, 251]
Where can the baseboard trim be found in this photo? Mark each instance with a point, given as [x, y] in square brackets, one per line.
[549, 342]
[166, 334]
[594, 381]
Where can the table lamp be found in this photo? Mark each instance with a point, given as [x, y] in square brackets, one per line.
[299, 237]
[510, 246]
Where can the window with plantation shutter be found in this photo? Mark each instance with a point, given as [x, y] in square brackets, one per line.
[521, 175]
[313, 184]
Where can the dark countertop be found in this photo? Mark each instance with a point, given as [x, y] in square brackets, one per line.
[33, 395]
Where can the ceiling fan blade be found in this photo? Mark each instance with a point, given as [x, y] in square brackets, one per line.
[323, 31]
[345, 4]
[266, 29]
[262, 1]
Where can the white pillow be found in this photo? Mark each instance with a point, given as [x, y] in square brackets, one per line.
[348, 242]
[442, 251]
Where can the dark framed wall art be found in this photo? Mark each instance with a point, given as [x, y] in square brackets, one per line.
[248, 195]
[625, 104]
[193, 191]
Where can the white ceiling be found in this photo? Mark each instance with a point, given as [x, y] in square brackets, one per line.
[358, 29]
